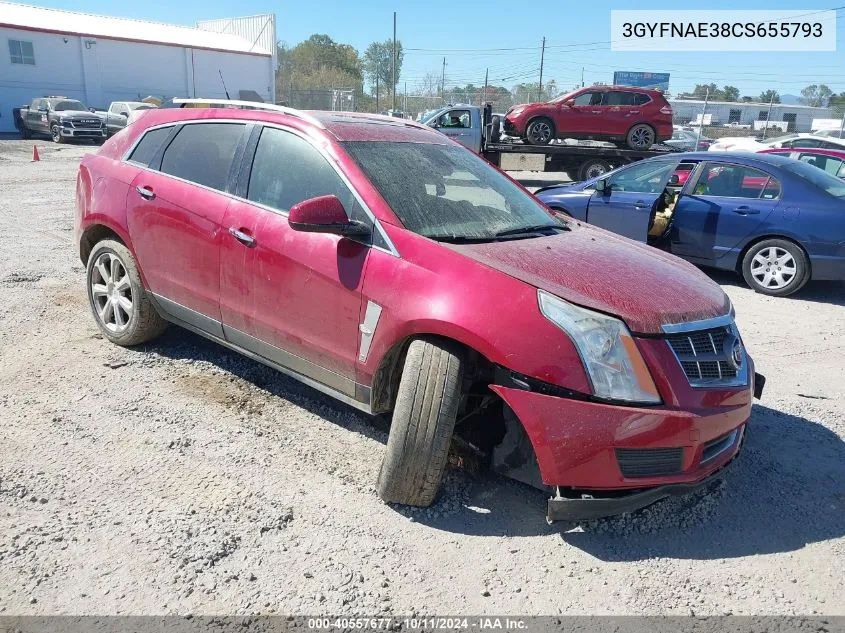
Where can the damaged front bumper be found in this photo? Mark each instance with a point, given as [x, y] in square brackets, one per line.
[593, 506]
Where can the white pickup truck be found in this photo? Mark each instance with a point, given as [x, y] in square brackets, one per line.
[122, 113]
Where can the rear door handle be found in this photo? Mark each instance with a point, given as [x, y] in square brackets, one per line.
[596, 111]
[145, 192]
[243, 238]
[746, 210]
[641, 204]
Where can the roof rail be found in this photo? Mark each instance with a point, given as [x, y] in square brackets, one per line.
[255, 105]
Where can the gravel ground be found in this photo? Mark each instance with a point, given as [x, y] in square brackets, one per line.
[181, 478]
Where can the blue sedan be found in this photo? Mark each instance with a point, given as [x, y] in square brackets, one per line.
[776, 221]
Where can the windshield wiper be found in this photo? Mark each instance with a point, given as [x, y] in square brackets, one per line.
[459, 239]
[532, 229]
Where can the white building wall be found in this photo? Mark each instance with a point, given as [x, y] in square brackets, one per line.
[749, 112]
[101, 70]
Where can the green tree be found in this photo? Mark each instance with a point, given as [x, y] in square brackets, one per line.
[769, 95]
[816, 95]
[378, 64]
[730, 93]
[703, 90]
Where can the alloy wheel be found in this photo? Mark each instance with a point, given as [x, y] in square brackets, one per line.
[540, 132]
[642, 137]
[111, 292]
[773, 268]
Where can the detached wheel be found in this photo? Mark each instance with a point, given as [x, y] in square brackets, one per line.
[641, 136]
[423, 422]
[495, 130]
[775, 267]
[593, 168]
[56, 133]
[121, 308]
[540, 131]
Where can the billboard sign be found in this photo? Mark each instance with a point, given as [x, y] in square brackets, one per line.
[655, 81]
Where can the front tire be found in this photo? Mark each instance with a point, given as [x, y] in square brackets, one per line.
[121, 307]
[540, 131]
[775, 267]
[641, 137]
[423, 422]
[56, 133]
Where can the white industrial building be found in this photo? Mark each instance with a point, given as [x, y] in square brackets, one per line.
[796, 118]
[99, 59]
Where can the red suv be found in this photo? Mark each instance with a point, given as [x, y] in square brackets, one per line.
[377, 261]
[637, 117]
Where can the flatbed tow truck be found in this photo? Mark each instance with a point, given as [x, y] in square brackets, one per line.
[478, 129]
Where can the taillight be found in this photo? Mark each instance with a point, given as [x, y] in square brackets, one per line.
[666, 110]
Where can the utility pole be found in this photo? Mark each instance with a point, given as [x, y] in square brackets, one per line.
[377, 108]
[405, 100]
[842, 126]
[486, 75]
[768, 115]
[393, 89]
[701, 123]
[443, 82]
[542, 55]
[582, 76]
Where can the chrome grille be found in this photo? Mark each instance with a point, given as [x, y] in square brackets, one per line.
[704, 358]
[650, 462]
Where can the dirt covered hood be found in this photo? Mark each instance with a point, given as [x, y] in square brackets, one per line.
[596, 269]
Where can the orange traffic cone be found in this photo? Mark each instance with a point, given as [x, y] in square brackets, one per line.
[35, 157]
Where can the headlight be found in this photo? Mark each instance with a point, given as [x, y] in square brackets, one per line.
[610, 356]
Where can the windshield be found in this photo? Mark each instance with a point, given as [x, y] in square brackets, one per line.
[781, 139]
[820, 178]
[68, 104]
[446, 190]
[568, 95]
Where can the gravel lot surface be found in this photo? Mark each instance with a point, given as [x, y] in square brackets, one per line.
[181, 478]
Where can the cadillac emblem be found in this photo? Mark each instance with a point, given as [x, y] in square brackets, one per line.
[732, 348]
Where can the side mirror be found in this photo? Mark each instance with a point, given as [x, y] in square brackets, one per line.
[92, 109]
[601, 186]
[325, 215]
[674, 179]
[569, 103]
[124, 113]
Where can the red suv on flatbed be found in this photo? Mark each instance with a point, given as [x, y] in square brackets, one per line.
[635, 117]
[376, 260]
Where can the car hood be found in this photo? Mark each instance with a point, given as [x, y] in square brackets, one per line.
[593, 268]
[79, 114]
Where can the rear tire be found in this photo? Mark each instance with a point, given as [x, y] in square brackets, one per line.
[540, 131]
[423, 422]
[121, 307]
[775, 267]
[641, 136]
[593, 168]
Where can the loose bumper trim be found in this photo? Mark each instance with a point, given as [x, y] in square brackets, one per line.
[563, 509]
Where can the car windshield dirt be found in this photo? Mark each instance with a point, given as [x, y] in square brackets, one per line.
[445, 191]
[69, 105]
[820, 178]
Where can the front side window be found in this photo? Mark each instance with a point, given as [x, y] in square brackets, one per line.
[736, 181]
[115, 108]
[203, 153]
[287, 169]
[446, 191]
[830, 164]
[455, 119]
[589, 98]
[147, 147]
[642, 177]
[21, 52]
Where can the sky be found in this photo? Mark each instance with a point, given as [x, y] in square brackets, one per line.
[475, 36]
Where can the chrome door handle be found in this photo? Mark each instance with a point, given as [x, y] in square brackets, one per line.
[596, 111]
[745, 210]
[145, 192]
[243, 238]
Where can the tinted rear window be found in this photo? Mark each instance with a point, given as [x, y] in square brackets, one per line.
[145, 151]
[203, 153]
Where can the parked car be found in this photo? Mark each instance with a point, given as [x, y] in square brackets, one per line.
[636, 117]
[688, 141]
[377, 261]
[750, 144]
[121, 113]
[832, 133]
[830, 160]
[734, 211]
[61, 119]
